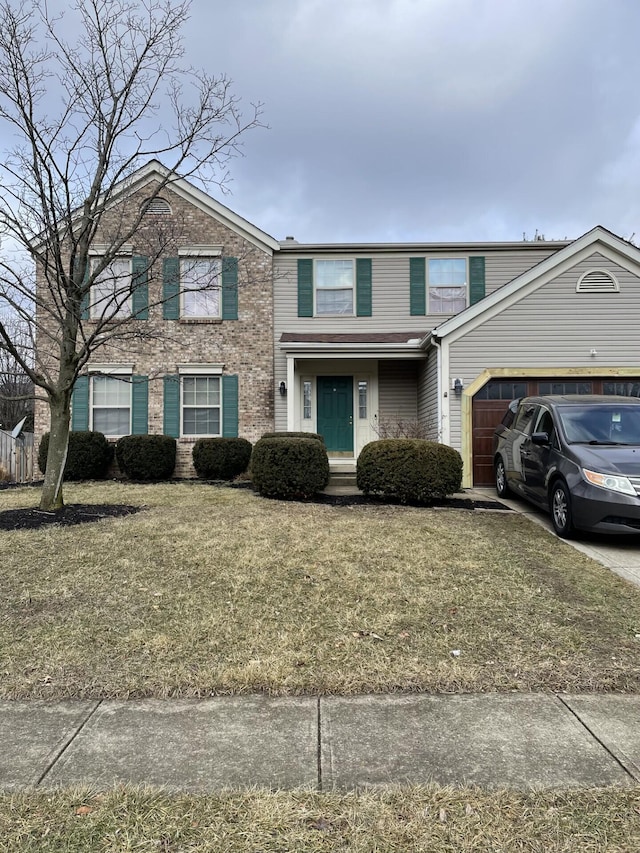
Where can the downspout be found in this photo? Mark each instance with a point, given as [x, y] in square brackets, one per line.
[436, 344]
[291, 392]
[426, 341]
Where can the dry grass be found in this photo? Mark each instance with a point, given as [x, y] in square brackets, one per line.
[430, 820]
[214, 590]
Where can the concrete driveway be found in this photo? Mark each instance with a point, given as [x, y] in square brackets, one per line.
[621, 554]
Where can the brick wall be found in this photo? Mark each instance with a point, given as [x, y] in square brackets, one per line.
[155, 347]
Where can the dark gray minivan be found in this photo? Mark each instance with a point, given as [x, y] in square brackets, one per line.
[576, 456]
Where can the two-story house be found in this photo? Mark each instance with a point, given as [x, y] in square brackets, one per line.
[354, 341]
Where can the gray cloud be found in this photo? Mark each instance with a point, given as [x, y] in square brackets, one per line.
[430, 119]
[440, 119]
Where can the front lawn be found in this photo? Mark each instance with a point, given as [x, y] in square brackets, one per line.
[214, 590]
[420, 820]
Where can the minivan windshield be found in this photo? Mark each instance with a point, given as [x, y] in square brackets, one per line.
[604, 423]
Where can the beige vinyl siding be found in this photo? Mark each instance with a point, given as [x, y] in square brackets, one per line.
[428, 397]
[390, 291]
[397, 392]
[502, 267]
[390, 301]
[554, 327]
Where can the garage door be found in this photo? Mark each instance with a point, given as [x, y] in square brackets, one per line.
[491, 402]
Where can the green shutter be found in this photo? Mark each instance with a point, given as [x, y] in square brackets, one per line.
[476, 280]
[172, 406]
[140, 288]
[84, 307]
[171, 288]
[417, 287]
[363, 287]
[80, 405]
[229, 288]
[84, 302]
[230, 406]
[139, 405]
[305, 288]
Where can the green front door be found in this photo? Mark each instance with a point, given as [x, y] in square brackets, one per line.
[335, 412]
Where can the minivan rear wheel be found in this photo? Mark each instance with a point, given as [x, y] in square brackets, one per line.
[502, 487]
[560, 506]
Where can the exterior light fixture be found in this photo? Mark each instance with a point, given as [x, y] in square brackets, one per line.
[457, 387]
[283, 389]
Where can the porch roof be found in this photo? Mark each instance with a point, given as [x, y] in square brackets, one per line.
[371, 344]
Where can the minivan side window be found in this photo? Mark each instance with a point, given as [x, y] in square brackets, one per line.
[525, 418]
[544, 423]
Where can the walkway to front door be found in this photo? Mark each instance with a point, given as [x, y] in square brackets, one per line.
[335, 413]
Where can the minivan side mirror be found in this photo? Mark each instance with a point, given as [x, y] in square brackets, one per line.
[540, 438]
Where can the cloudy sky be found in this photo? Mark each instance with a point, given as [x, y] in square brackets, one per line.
[431, 119]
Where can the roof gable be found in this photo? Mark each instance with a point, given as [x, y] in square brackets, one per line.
[154, 170]
[599, 240]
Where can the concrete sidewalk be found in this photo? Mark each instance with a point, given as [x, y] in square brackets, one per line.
[493, 740]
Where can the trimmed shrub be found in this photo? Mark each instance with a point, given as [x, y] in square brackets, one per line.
[315, 435]
[221, 458]
[146, 457]
[88, 457]
[289, 468]
[410, 470]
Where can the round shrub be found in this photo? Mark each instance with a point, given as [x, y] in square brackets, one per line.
[88, 456]
[315, 435]
[146, 457]
[289, 468]
[221, 458]
[409, 470]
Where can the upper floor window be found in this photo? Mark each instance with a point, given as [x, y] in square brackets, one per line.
[111, 290]
[447, 285]
[334, 287]
[200, 286]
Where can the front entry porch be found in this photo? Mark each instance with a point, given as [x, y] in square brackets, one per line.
[339, 401]
[349, 389]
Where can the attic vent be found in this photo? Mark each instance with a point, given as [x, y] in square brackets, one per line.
[597, 281]
[157, 206]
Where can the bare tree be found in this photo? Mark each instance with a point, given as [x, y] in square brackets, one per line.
[88, 109]
[16, 389]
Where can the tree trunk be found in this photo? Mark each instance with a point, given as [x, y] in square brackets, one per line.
[51, 498]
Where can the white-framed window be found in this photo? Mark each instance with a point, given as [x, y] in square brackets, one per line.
[111, 289]
[110, 404]
[363, 399]
[334, 286]
[200, 405]
[306, 399]
[447, 285]
[200, 286]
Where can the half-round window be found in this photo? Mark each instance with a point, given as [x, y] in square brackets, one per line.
[597, 281]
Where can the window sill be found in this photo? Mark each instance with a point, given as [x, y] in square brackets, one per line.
[333, 316]
[189, 321]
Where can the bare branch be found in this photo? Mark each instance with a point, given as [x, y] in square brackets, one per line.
[88, 97]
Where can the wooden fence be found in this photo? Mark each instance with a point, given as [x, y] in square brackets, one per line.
[17, 457]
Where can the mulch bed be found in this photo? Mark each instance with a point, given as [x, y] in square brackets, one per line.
[33, 519]
[442, 503]
[72, 514]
